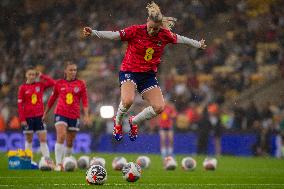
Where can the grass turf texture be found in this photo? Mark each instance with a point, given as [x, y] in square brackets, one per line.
[231, 172]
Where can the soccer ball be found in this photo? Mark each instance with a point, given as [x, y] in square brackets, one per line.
[83, 162]
[46, 164]
[143, 161]
[188, 163]
[170, 163]
[210, 164]
[131, 172]
[98, 161]
[96, 174]
[118, 163]
[69, 163]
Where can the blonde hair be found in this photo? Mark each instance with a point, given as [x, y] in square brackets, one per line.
[155, 14]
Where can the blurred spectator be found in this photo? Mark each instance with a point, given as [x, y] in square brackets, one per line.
[2, 124]
[204, 128]
[216, 126]
[251, 114]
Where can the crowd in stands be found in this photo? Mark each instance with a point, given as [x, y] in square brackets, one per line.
[245, 49]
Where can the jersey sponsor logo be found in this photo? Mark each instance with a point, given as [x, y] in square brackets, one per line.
[76, 89]
[127, 76]
[62, 88]
[37, 89]
[57, 118]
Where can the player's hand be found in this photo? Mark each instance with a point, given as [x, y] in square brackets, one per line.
[86, 120]
[203, 45]
[87, 31]
[38, 74]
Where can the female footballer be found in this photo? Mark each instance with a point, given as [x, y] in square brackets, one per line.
[69, 91]
[31, 108]
[146, 44]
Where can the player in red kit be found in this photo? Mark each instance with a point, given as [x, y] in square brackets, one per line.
[69, 91]
[146, 44]
[31, 108]
[166, 121]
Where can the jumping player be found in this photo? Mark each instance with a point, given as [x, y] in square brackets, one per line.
[31, 108]
[139, 67]
[69, 91]
[166, 121]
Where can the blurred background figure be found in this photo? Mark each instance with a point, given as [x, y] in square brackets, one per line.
[31, 108]
[166, 124]
[203, 132]
[215, 126]
[210, 125]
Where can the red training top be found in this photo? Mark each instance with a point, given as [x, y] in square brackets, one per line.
[144, 52]
[69, 94]
[166, 117]
[30, 102]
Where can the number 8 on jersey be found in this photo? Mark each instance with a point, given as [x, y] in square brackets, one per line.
[149, 54]
[69, 98]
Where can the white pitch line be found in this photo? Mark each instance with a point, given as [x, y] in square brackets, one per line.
[152, 176]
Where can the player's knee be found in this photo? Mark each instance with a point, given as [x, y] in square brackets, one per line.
[42, 139]
[159, 108]
[127, 102]
[29, 139]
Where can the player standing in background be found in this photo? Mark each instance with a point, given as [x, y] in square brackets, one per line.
[140, 64]
[166, 121]
[69, 91]
[31, 108]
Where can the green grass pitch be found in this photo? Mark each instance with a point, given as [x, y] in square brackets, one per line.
[231, 172]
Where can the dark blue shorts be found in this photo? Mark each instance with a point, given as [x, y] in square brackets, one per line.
[34, 124]
[71, 124]
[144, 81]
[166, 128]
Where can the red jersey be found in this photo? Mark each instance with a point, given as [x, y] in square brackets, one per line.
[69, 94]
[30, 103]
[166, 117]
[144, 52]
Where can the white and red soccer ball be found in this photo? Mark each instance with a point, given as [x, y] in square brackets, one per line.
[96, 175]
[83, 162]
[188, 164]
[170, 163]
[143, 161]
[98, 161]
[118, 163]
[131, 172]
[210, 164]
[69, 164]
